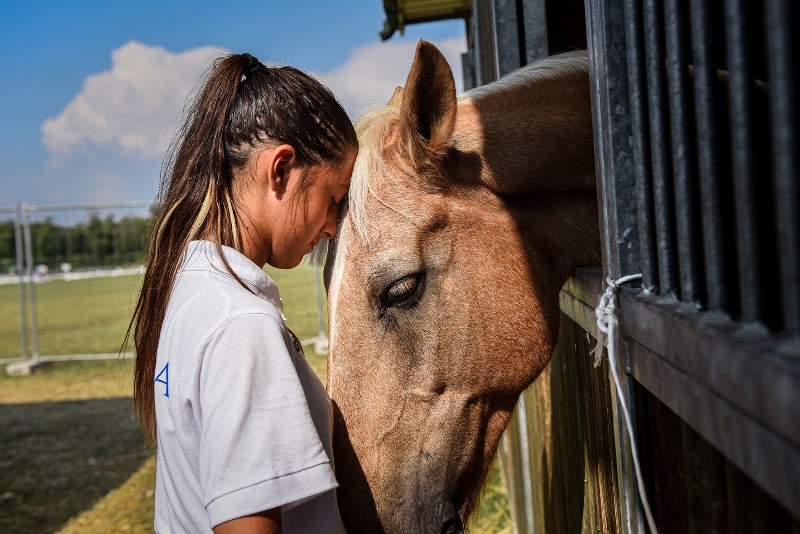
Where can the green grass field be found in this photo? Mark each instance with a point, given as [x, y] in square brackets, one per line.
[71, 457]
[90, 316]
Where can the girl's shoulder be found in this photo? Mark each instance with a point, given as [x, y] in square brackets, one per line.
[228, 287]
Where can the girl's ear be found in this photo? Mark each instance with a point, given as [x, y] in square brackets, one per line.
[273, 166]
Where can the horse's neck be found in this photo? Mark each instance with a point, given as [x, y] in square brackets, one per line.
[534, 138]
[561, 232]
[532, 131]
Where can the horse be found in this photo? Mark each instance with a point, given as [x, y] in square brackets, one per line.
[465, 217]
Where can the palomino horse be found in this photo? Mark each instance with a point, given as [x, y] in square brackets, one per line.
[465, 218]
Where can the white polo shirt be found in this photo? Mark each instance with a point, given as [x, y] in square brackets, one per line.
[244, 425]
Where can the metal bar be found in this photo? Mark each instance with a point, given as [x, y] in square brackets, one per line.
[506, 35]
[612, 131]
[23, 315]
[77, 357]
[511, 465]
[708, 166]
[786, 161]
[659, 146]
[608, 75]
[534, 19]
[525, 457]
[485, 60]
[107, 205]
[743, 160]
[596, 58]
[683, 173]
[26, 221]
[639, 143]
[467, 70]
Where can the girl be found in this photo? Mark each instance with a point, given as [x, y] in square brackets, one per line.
[242, 423]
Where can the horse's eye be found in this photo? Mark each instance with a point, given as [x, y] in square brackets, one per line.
[400, 291]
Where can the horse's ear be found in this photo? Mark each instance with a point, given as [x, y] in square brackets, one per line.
[397, 98]
[429, 100]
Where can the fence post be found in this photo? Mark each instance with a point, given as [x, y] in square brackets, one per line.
[525, 457]
[616, 188]
[26, 221]
[23, 320]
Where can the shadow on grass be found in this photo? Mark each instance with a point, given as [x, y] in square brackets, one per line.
[59, 458]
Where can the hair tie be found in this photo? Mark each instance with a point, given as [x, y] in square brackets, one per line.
[251, 65]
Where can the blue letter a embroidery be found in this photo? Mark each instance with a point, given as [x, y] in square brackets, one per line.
[165, 380]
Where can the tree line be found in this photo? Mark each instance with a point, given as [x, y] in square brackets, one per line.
[99, 242]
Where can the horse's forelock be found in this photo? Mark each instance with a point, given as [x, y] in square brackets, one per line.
[372, 129]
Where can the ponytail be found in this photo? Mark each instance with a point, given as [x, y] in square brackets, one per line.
[242, 106]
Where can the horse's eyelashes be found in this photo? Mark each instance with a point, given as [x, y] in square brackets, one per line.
[400, 291]
[402, 288]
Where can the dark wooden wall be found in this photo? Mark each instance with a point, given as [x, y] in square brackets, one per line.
[570, 429]
[692, 487]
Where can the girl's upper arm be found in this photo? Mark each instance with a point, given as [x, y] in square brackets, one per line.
[266, 522]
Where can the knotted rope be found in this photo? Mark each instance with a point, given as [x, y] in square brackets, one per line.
[606, 334]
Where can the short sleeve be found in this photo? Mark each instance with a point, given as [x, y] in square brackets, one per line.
[259, 448]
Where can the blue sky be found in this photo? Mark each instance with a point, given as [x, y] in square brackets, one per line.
[108, 78]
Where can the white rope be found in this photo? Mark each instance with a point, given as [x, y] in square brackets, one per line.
[606, 333]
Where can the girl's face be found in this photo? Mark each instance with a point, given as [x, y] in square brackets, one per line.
[313, 213]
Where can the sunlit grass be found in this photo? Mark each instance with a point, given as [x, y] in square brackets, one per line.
[86, 316]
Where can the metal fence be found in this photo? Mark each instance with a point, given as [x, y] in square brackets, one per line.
[69, 277]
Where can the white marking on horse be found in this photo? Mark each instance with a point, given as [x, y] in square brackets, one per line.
[333, 295]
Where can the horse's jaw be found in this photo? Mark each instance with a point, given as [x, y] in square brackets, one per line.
[384, 488]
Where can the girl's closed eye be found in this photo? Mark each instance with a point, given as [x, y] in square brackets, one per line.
[342, 200]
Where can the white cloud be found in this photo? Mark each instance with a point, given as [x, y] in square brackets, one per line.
[130, 109]
[106, 142]
[373, 71]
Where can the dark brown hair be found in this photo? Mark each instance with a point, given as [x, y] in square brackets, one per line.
[242, 106]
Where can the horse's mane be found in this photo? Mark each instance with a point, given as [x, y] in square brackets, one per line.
[374, 127]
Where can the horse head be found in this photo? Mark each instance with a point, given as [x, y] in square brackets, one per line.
[465, 216]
